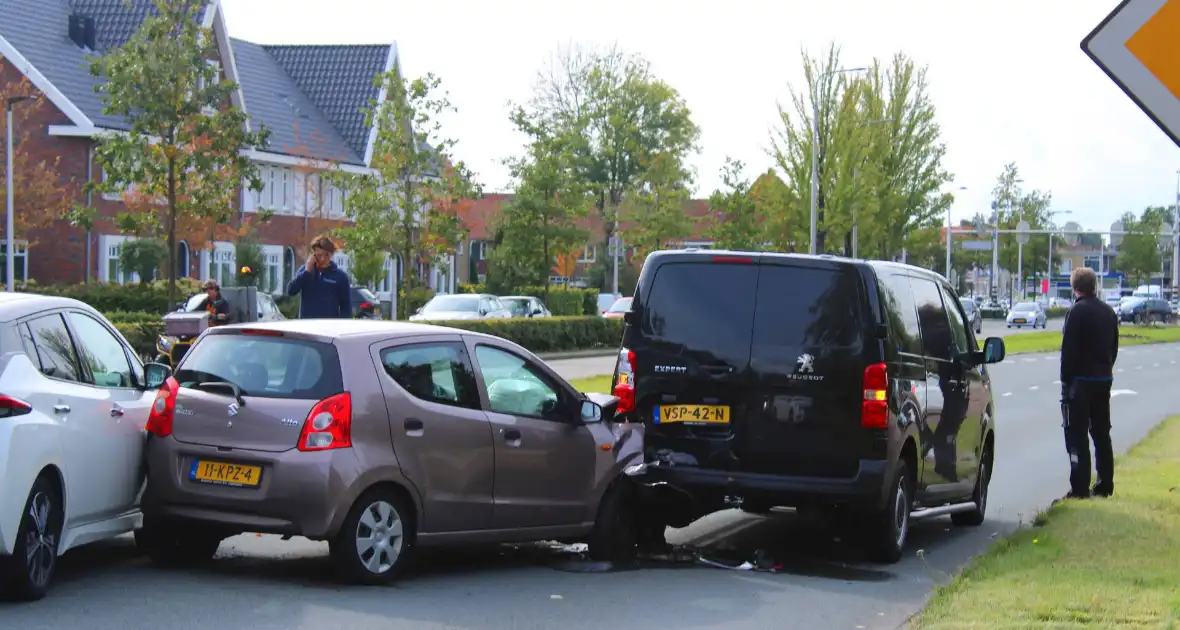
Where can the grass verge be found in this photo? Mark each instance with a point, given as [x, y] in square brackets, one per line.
[594, 384]
[1050, 341]
[1101, 563]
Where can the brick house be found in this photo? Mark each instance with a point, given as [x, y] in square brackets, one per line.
[310, 98]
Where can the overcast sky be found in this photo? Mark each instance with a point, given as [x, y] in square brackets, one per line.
[1008, 77]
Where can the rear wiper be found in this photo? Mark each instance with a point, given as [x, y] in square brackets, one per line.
[237, 391]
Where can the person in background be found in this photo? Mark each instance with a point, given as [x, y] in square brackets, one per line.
[326, 289]
[1089, 349]
[215, 304]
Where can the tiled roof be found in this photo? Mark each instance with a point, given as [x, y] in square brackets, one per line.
[310, 97]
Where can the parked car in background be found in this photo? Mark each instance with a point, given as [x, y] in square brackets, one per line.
[1027, 314]
[1060, 302]
[74, 402]
[850, 390]
[462, 306]
[365, 303]
[618, 309]
[525, 306]
[1146, 310]
[974, 316]
[286, 428]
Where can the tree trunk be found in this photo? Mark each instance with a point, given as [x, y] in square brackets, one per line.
[171, 259]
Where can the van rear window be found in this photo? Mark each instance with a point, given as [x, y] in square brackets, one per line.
[266, 367]
[705, 307]
[808, 306]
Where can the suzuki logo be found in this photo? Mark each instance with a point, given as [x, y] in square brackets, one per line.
[233, 409]
[805, 364]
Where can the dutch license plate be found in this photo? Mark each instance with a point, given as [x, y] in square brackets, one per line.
[224, 474]
[703, 414]
[1018, 321]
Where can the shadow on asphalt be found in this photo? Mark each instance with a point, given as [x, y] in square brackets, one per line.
[776, 544]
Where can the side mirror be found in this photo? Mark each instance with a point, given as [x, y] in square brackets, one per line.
[154, 375]
[993, 350]
[483, 311]
[591, 412]
[536, 311]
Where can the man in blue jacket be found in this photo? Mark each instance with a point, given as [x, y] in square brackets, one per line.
[326, 289]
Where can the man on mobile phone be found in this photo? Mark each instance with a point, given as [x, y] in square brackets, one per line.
[326, 289]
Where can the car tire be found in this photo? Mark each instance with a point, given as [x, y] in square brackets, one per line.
[975, 517]
[28, 572]
[174, 544]
[617, 528]
[890, 527]
[376, 539]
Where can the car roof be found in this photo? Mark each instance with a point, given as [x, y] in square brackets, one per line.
[517, 297]
[877, 265]
[331, 329]
[16, 304]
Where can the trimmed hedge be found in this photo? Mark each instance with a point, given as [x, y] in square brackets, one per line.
[549, 334]
[565, 301]
[109, 298]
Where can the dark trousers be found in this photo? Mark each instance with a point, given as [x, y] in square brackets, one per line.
[1085, 414]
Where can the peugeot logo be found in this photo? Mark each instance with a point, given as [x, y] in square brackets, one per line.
[233, 409]
[805, 363]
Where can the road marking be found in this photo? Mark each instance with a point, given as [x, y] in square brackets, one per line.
[1056, 382]
[1120, 370]
[1006, 394]
[1155, 365]
[1034, 387]
[1050, 358]
[1030, 360]
[1122, 392]
[1173, 361]
[1138, 367]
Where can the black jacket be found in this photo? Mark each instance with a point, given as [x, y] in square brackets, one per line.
[1089, 342]
[327, 293]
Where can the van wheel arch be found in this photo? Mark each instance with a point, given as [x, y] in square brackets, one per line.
[909, 454]
[54, 475]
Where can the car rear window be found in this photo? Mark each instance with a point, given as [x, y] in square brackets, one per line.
[808, 306]
[263, 366]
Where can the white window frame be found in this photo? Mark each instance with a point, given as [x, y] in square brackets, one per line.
[21, 253]
[110, 245]
[589, 254]
[341, 259]
[272, 256]
[222, 253]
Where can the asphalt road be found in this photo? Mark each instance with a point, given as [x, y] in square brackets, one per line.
[263, 583]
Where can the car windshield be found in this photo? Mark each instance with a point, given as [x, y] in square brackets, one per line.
[452, 304]
[264, 366]
[518, 306]
[366, 294]
[195, 303]
[621, 306]
[1025, 306]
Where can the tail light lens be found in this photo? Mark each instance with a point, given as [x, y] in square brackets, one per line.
[164, 409]
[366, 305]
[328, 424]
[624, 386]
[11, 407]
[874, 412]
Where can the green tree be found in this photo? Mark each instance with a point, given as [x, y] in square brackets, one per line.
[784, 217]
[1139, 254]
[409, 204]
[624, 116]
[654, 211]
[251, 264]
[183, 152]
[544, 219]
[1014, 205]
[143, 256]
[736, 222]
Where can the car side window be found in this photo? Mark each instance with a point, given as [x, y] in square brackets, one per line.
[55, 349]
[515, 386]
[102, 352]
[937, 340]
[899, 304]
[957, 320]
[434, 372]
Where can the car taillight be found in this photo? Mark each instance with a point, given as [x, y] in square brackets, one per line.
[328, 424]
[624, 386]
[10, 407]
[366, 305]
[874, 412]
[163, 409]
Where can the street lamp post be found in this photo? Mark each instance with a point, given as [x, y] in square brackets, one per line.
[949, 233]
[10, 254]
[815, 154]
[1176, 240]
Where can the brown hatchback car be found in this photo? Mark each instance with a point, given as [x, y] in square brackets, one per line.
[378, 437]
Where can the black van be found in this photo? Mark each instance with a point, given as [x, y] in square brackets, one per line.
[853, 389]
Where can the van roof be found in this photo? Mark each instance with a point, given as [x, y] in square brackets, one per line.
[693, 253]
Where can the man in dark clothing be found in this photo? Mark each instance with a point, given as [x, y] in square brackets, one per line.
[1089, 348]
[215, 304]
[326, 289]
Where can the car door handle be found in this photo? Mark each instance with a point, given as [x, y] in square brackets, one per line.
[61, 409]
[510, 434]
[116, 412]
[413, 424]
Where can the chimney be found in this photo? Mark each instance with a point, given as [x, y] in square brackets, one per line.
[83, 31]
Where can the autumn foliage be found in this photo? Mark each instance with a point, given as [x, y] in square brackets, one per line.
[567, 263]
[40, 194]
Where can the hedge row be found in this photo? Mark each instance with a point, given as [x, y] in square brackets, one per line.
[548, 334]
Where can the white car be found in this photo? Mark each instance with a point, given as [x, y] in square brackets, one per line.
[74, 398]
[455, 306]
[1028, 314]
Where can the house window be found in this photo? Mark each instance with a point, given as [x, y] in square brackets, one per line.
[271, 280]
[477, 250]
[385, 284]
[589, 253]
[20, 261]
[289, 262]
[341, 260]
[182, 260]
[269, 189]
[286, 199]
[221, 263]
[113, 270]
[1092, 262]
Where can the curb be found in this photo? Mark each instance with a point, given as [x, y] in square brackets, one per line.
[578, 354]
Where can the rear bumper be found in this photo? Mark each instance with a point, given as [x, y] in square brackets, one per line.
[709, 488]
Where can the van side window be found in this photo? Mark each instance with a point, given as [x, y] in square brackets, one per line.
[898, 301]
[936, 328]
[957, 320]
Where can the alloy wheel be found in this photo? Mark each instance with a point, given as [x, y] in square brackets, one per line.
[40, 540]
[901, 513]
[379, 537]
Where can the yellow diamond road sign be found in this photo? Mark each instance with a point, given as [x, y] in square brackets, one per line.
[1138, 47]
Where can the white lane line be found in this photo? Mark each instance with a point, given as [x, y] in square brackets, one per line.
[1122, 370]
[1050, 358]
[1034, 387]
[1030, 360]
[1138, 367]
[1006, 394]
[1056, 382]
[1173, 361]
[1155, 365]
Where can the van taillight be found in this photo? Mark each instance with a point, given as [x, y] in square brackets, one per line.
[328, 424]
[163, 409]
[624, 385]
[874, 412]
